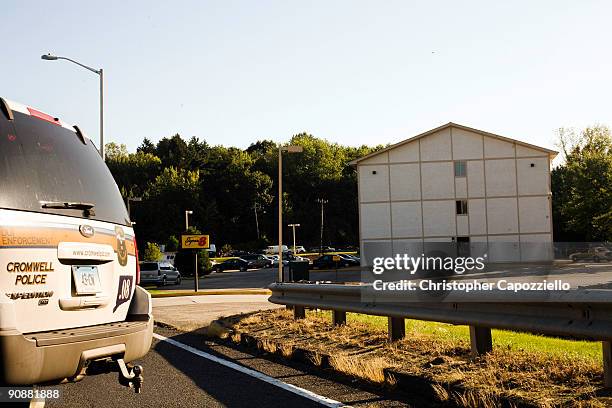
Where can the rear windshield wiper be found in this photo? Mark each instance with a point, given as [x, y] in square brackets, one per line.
[88, 207]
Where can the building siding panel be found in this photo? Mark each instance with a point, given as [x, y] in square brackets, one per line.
[436, 146]
[439, 218]
[405, 182]
[438, 180]
[406, 219]
[466, 145]
[374, 183]
[408, 152]
[533, 213]
[502, 217]
[501, 177]
[375, 221]
[532, 180]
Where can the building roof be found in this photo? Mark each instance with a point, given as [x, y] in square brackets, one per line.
[551, 153]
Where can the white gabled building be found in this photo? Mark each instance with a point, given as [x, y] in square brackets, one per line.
[454, 184]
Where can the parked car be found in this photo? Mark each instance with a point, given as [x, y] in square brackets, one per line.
[273, 249]
[70, 298]
[595, 254]
[299, 249]
[348, 260]
[159, 273]
[233, 264]
[327, 261]
[258, 261]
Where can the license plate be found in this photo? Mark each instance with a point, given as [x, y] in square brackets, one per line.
[86, 280]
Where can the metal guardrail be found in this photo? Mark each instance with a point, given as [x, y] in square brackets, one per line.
[580, 315]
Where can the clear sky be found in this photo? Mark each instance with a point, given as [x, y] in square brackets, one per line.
[353, 72]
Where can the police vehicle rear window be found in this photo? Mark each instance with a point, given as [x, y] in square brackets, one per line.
[43, 162]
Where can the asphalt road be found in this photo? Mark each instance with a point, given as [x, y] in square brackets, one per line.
[174, 377]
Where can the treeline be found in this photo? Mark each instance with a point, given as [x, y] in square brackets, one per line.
[582, 186]
[226, 186]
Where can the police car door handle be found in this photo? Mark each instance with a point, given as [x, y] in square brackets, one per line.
[87, 302]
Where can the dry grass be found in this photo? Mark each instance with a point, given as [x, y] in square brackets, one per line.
[371, 369]
[361, 350]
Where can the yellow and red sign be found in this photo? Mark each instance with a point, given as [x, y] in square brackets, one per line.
[195, 242]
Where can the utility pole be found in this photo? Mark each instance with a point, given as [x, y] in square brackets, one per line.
[256, 220]
[322, 201]
[281, 149]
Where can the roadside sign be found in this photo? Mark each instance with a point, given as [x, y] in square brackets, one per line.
[336, 258]
[195, 241]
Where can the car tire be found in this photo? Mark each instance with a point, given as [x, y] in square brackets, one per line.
[164, 281]
[596, 259]
[243, 269]
[178, 280]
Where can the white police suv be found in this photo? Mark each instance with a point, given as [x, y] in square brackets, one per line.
[69, 298]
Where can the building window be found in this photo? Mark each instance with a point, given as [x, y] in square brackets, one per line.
[460, 168]
[461, 206]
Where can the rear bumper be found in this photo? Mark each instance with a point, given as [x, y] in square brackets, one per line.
[51, 356]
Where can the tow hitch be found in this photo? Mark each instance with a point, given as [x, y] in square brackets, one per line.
[129, 376]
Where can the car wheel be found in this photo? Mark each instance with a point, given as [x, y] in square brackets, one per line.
[178, 280]
[243, 269]
[164, 281]
[596, 258]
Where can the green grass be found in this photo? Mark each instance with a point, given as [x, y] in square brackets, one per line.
[584, 350]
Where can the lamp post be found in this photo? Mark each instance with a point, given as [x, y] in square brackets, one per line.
[100, 72]
[187, 213]
[293, 226]
[281, 149]
[321, 201]
[195, 253]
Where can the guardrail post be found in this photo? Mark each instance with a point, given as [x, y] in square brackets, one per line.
[338, 318]
[299, 312]
[397, 328]
[480, 339]
[607, 363]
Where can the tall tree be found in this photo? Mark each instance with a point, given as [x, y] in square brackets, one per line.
[582, 186]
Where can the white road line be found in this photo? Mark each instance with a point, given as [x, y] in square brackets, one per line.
[256, 374]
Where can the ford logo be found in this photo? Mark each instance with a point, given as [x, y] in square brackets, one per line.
[86, 230]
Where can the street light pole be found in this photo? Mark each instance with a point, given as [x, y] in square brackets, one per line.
[322, 201]
[100, 72]
[281, 149]
[195, 254]
[293, 226]
[187, 212]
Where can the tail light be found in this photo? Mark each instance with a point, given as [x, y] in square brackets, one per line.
[137, 263]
